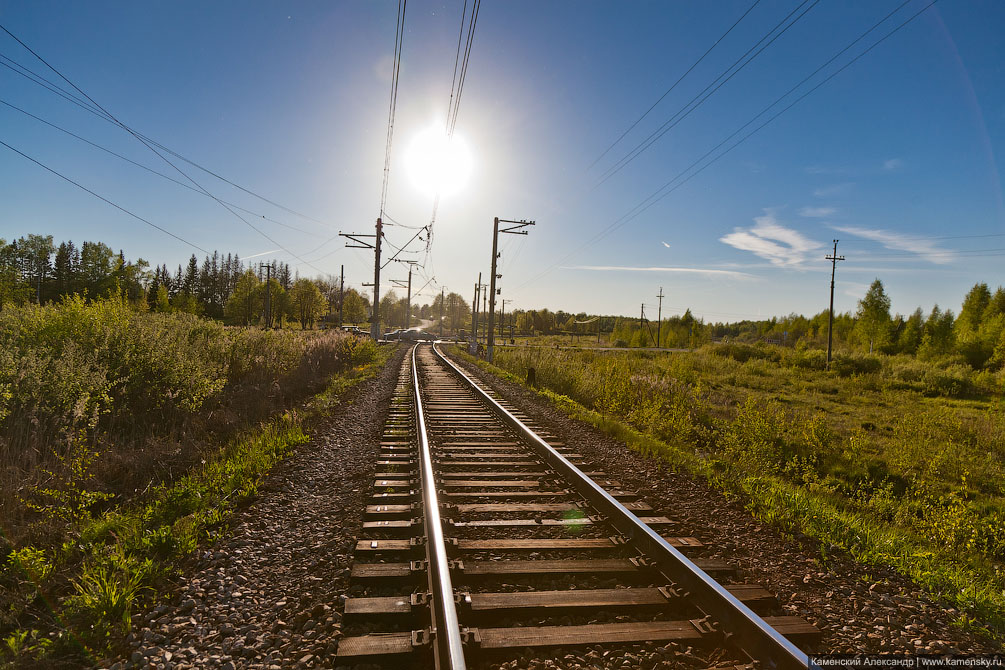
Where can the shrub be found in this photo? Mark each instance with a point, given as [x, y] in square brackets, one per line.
[744, 352]
[812, 359]
[846, 366]
[954, 382]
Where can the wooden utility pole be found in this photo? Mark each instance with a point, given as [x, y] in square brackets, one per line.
[268, 296]
[515, 229]
[474, 317]
[359, 239]
[502, 318]
[833, 258]
[441, 313]
[659, 320]
[408, 306]
[341, 294]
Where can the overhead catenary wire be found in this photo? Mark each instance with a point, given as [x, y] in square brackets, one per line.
[104, 199]
[674, 85]
[456, 84]
[666, 189]
[724, 77]
[399, 34]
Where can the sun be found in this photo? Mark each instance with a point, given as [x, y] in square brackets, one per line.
[437, 164]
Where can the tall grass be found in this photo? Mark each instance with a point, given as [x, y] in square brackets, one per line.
[97, 399]
[126, 438]
[899, 461]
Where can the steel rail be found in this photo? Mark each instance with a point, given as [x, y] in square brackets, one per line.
[448, 644]
[757, 639]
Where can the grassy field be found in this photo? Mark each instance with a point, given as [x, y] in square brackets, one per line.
[897, 461]
[128, 439]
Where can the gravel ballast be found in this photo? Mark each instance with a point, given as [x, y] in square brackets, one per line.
[268, 595]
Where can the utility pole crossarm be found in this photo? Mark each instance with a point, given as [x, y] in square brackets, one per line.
[514, 229]
[360, 243]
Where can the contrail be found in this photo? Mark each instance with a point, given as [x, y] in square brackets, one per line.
[271, 251]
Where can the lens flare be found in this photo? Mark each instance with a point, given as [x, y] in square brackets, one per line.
[437, 164]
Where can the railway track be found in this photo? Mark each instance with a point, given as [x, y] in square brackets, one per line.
[486, 536]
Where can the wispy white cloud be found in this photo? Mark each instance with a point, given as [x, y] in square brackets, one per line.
[697, 271]
[665, 244]
[893, 164]
[824, 169]
[833, 189]
[854, 289]
[817, 212]
[927, 249]
[781, 246]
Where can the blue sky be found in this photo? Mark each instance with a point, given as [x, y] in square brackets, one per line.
[895, 156]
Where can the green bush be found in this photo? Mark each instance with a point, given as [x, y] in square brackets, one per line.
[953, 382]
[744, 352]
[811, 359]
[848, 365]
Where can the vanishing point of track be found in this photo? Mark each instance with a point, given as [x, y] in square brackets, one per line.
[486, 535]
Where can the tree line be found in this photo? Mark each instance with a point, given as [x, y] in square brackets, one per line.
[34, 269]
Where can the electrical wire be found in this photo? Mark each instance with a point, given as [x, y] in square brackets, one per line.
[160, 155]
[698, 100]
[149, 169]
[663, 191]
[679, 80]
[399, 35]
[83, 104]
[454, 103]
[104, 199]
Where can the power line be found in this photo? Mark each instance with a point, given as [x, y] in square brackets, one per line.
[695, 102]
[399, 35]
[100, 113]
[663, 191]
[679, 80]
[454, 103]
[161, 156]
[149, 169]
[457, 55]
[452, 115]
[104, 199]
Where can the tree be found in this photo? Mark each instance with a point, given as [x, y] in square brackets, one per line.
[910, 335]
[35, 252]
[96, 269]
[161, 302]
[389, 313]
[354, 307]
[873, 317]
[308, 302]
[937, 338]
[243, 304]
[967, 329]
[66, 268]
[11, 290]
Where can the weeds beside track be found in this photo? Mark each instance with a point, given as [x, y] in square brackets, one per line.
[862, 462]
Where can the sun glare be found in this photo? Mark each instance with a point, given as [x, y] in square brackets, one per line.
[437, 164]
